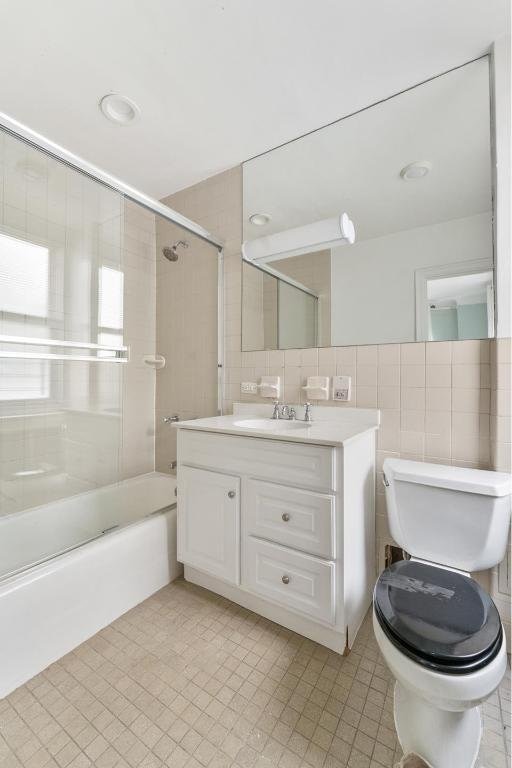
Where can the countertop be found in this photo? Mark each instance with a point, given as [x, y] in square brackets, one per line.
[326, 429]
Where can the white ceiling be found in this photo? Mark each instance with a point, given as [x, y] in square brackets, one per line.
[219, 81]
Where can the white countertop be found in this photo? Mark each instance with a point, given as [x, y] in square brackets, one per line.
[331, 426]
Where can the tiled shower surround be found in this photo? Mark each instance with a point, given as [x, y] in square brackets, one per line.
[446, 402]
[186, 298]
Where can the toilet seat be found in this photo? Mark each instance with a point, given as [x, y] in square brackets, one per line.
[439, 618]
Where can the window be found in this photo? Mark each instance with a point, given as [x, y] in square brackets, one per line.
[24, 298]
[110, 307]
[23, 277]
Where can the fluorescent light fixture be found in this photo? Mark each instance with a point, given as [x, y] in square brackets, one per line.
[327, 233]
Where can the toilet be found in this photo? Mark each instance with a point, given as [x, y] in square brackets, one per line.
[437, 629]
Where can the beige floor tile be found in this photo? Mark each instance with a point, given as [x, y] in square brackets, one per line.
[189, 680]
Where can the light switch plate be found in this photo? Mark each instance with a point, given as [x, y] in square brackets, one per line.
[342, 388]
[249, 388]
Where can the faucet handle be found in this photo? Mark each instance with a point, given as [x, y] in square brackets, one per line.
[307, 412]
[275, 414]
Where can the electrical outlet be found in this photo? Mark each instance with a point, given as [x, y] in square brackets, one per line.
[249, 388]
[341, 388]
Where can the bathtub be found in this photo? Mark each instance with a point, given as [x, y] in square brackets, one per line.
[71, 567]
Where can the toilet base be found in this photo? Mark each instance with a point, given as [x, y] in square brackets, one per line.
[443, 739]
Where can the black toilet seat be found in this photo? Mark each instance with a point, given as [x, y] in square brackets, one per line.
[441, 619]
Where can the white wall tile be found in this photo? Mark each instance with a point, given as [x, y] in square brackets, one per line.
[389, 354]
[466, 376]
[438, 399]
[438, 376]
[412, 375]
[438, 352]
[412, 354]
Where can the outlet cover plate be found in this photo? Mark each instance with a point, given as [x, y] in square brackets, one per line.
[249, 388]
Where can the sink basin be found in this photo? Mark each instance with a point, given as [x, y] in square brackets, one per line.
[269, 424]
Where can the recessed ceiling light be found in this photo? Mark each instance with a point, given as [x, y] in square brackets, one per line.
[259, 219]
[119, 109]
[416, 170]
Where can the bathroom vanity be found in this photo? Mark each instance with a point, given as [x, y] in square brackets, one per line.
[278, 516]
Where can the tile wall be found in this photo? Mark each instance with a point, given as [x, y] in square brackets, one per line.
[446, 402]
[186, 302]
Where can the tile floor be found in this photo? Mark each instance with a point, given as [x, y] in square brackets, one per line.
[190, 679]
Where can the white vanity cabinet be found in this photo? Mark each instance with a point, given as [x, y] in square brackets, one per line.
[280, 526]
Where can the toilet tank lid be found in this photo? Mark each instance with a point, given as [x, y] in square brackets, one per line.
[454, 478]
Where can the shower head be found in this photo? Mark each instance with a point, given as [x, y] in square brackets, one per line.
[171, 253]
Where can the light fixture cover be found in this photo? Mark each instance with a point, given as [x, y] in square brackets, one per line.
[260, 219]
[119, 109]
[327, 233]
[416, 170]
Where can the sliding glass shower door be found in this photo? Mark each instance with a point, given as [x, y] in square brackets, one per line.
[84, 285]
[62, 345]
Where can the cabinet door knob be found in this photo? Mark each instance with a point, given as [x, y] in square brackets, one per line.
[231, 494]
[285, 517]
[285, 579]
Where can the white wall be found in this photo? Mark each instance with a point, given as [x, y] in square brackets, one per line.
[384, 310]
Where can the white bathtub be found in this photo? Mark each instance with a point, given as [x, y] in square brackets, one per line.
[127, 551]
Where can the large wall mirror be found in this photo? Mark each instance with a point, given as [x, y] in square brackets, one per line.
[413, 174]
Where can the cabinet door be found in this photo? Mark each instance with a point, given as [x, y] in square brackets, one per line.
[209, 522]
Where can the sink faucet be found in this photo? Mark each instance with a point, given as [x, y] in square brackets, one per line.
[286, 412]
[307, 412]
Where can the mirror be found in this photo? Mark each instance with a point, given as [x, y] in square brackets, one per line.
[413, 174]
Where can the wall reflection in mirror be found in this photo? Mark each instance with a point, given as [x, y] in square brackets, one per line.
[413, 175]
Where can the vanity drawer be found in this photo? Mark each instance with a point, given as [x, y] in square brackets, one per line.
[299, 519]
[289, 463]
[299, 582]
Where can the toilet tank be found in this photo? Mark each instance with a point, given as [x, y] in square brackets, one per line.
[453, 516]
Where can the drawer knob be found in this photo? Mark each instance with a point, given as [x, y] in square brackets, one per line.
[285, 579]
[231, 494]
[285, 517]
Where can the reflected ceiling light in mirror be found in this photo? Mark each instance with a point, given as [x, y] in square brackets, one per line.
[260, 219]
[416, 170]
[119, 109]
[327, 233]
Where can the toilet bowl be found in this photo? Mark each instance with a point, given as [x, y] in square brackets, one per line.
[437, 629]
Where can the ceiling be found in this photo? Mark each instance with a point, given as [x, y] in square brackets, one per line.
[218, 81]
[354, 165]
